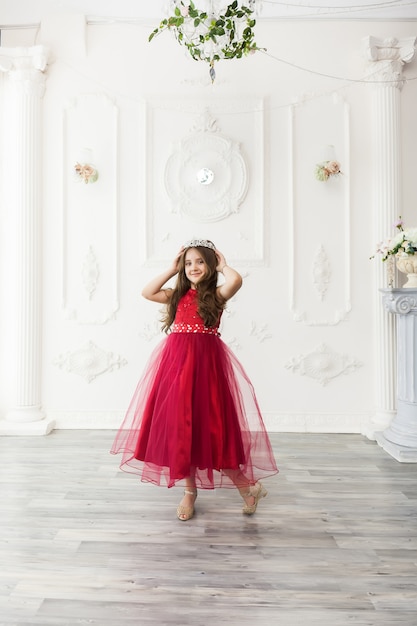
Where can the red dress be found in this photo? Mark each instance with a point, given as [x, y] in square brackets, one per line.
[194, 412]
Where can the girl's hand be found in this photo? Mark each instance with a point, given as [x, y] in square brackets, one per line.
[221, 261]
[175, 262]
[232, 279]
[155, 290]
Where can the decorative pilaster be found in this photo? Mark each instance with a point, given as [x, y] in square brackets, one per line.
[386, 58]
[400, 438]
[24, 89]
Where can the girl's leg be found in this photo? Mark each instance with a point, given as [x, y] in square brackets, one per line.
[242, 484]
[251, 493]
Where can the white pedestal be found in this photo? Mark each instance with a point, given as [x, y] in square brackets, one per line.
[400, 438]
[20, 429]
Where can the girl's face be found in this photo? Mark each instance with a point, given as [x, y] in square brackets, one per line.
[194, 266]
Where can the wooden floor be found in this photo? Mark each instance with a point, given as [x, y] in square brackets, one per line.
[333, 544]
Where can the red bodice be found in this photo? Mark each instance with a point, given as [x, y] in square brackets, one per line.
[187, 318]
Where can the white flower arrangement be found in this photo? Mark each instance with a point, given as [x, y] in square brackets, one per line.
[210, 37]
[403, 243]
[86, 172]
[326, 169]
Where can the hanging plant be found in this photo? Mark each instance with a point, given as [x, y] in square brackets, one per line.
[211, 37]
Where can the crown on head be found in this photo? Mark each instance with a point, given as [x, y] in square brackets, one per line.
[205, 243]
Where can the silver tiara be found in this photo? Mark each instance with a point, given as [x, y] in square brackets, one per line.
[205, 243]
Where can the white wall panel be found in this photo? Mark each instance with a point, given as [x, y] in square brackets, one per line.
[90, 222]
[184, 136]
[320, 264]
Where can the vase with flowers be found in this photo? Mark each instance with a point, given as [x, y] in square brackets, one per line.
[402, 246]
[86, 172]
[327, 169]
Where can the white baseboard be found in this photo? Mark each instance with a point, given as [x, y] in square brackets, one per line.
[86, 420]
[274, 421]
[317, 422]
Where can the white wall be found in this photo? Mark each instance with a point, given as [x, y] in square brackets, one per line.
[132, 103]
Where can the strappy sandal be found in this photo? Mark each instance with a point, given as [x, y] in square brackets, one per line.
[186, 512]
[257, 492]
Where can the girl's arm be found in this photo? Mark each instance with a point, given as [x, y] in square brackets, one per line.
[154, 289]
[233, 280]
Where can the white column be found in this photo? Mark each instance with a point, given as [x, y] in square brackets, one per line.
[400, 438]
[386, 58]
[24, 89]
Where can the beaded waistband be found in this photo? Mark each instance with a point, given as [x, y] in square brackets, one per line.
[183, 327]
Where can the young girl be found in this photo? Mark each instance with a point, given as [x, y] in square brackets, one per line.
[194, 418]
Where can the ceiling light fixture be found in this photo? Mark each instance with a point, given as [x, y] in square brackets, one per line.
[214, 33]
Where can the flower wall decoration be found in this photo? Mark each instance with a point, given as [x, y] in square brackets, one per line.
[90, 361]
[404, 242]
[210, 36]
[86, 172]
[326, 169]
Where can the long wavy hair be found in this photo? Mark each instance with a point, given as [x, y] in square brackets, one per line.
[210, 304]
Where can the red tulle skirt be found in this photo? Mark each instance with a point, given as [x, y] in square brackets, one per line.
[194, 413]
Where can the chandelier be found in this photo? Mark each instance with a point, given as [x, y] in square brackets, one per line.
[214, 32]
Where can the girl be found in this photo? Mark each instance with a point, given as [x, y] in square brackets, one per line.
[194, 418]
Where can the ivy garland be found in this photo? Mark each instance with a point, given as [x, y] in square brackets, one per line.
[230, 34]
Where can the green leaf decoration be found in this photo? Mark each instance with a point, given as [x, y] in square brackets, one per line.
[221, 30]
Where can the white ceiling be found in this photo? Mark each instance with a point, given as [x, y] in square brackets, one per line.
[21, 12]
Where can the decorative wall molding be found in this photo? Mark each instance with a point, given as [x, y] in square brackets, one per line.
[90, 120]
[387, 57]
[205, 123]
[338, 316]
[260, 331]
[323, 364]
[319, 131]
[89, 361]
[183, 205]
[321, 272]
[91, 272]
[150, 330]
[221, 193]
[232, 342]
[26, 69]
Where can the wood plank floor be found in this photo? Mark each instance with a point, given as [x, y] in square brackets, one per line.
[333, 544]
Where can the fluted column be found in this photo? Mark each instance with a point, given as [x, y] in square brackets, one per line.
[386, 58]
[24, 89]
